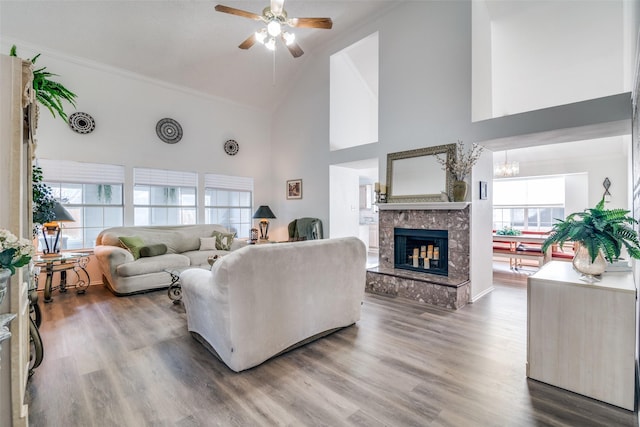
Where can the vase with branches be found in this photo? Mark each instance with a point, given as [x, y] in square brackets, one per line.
[459, 166]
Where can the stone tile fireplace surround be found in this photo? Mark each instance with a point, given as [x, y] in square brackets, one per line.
[450, 291]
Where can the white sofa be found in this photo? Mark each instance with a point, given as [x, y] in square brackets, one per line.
[262, 300]
[124, 275]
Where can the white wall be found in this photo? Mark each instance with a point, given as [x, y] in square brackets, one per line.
[354, 103]
[126, 108]
[344, 214]
[481, 62]
[424, 100]
[539, 62]
[576, 193]
[481, 266]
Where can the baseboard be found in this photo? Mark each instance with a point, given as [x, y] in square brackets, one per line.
[485, 292]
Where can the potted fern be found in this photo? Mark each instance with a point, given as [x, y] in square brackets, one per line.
[600, 234]
[48, 92]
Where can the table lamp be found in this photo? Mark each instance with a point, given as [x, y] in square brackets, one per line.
[60, 214]
[263, 213]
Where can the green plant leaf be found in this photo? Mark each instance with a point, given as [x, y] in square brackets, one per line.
[598, 230]
[49, 93]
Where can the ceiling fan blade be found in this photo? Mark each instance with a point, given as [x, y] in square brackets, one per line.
[293, 47]
[325, 23]
[276, 6]
[238, 12]
[250, 41]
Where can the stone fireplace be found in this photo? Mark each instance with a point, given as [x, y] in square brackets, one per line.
[429, 225]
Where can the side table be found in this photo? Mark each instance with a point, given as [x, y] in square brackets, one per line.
[175, 288]
[62, 263]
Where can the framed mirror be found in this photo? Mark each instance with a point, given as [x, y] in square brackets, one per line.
[416, 176]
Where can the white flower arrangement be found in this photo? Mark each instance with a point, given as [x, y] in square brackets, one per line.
[460, 165]
[14, 252]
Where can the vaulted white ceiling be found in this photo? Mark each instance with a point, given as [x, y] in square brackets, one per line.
[186, 43]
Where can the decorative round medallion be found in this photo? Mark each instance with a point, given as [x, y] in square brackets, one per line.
[82, 122]
[169, 130]
[231, 147]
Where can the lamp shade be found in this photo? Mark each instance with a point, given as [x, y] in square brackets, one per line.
[60, 213]
[264, 212]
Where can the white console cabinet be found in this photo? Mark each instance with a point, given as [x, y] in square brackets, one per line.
[582, 336]
[15, 215]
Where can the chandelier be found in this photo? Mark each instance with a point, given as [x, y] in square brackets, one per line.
[506, 169]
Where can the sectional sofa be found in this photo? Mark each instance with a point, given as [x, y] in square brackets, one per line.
[186, 246]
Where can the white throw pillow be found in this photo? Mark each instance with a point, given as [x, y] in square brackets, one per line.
[207, 243]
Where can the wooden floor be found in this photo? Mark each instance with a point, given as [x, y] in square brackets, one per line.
[130, 361]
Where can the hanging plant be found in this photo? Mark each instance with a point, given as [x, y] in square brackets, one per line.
[49, 93]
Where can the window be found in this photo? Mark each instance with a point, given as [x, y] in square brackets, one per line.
[162, 197]
[93, 195]
[228, 202]
[531, 204]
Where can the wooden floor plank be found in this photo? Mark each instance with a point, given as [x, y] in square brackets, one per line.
[130, 361]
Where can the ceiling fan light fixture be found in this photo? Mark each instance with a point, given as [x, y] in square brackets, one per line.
[261, 36]
[274, 28]
[275, 19]
[271, 44]
[289, 38]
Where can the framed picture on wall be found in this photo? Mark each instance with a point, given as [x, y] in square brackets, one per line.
[294, 189]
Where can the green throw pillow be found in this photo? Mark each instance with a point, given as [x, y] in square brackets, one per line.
[153, 250]
[133, 244]
[223, 240]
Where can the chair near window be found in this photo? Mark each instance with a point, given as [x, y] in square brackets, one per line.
[305, 229]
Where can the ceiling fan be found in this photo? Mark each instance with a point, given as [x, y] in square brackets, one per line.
[275, 18]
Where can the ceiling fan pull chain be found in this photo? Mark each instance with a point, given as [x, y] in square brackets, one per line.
[273, 82]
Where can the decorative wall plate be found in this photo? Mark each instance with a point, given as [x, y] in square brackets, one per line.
[231, 147]
[169, 130]
[82, 122]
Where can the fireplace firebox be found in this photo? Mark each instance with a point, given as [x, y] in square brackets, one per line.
[421, 250]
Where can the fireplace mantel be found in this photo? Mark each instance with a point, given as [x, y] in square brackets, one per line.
[443, 206]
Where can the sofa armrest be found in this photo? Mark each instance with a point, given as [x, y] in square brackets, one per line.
[114, 255]
[109, 258]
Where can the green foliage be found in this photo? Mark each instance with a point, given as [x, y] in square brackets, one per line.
[7, 261]
[104, 192]
[14, 252]
[43, 200]
[508, 231]
[598, 229]
[48, 92]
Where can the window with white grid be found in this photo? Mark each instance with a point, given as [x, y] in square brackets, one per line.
[228, 201]
[164, 197]
[532, 204]
[93, 195]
